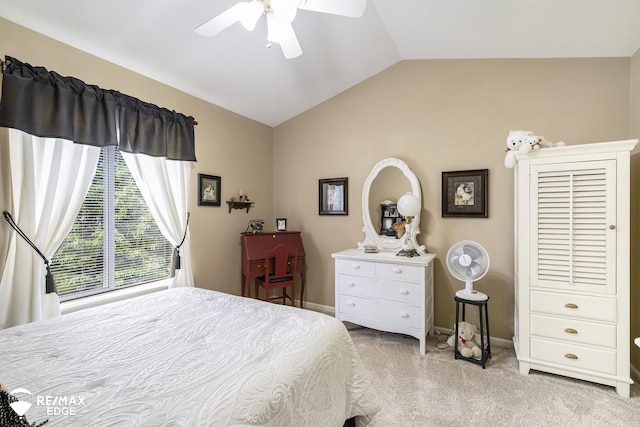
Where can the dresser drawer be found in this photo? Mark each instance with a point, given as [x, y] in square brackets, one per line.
[577, 331]
[356, 267]
[575, 356]
[394, 313]
[576, 306]
[406, 293]
[402, 272]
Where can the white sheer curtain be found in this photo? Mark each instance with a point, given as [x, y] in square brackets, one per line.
[49, 181]
[164, 185]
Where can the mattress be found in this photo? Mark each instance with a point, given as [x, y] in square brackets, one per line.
[188, 357]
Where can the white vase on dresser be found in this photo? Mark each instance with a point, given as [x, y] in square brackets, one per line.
[386, 292]
[572, 302]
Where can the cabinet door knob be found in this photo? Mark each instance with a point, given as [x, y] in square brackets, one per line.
[355, 266]
[397, 269]
[571, 356]
[351, 304]
[570, 331]
[404, 314]
[570, 305]
[404, 291]
[350, 283]
[613, 227]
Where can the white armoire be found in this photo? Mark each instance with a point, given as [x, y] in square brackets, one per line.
[572, 262]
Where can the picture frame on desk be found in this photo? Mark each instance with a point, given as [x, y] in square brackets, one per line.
[281, 224]
[333, 196]
[465, 194]
[209, 190]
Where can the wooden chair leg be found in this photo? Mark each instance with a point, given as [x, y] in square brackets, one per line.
[293, 295]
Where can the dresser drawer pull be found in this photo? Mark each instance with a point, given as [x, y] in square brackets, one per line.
[571, 356]
[404, 314]
[355, 266]
[350, 283]
[351, 304]
[397, 269]
[404, 291]
[261, 267]
[570, 331]
[570, 305]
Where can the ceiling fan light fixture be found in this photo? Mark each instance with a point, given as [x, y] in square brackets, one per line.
[285, 9]
[250, 13]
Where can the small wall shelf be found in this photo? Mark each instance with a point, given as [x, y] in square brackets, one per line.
[236, 204]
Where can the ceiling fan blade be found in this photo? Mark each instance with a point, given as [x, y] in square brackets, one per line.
[281, 32]
[352, 8]
[222, 21]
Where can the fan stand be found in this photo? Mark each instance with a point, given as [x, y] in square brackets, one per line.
[469, 294]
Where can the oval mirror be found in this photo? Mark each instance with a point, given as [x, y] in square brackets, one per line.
[392, 178]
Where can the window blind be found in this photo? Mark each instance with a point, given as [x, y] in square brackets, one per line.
[114, 242]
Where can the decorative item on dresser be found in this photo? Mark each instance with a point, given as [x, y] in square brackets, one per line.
[255, 247]
[381, 290]
[572, 314]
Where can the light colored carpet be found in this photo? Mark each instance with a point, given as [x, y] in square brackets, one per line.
[437, 390]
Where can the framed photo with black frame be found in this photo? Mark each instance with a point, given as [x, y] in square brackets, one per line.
[333, 196]
[465, 194]
[209, 190]
[281, 224]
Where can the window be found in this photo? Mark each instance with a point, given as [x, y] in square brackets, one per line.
[115, 241]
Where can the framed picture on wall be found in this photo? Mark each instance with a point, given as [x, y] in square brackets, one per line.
[209, 190]
[333, 196]
[465, 194]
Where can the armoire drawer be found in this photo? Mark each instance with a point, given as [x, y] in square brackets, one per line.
[576, 306]
[406, 293]
[394, 313]
[356, 267]
[402, 272]
[576, 331]
[573, 355]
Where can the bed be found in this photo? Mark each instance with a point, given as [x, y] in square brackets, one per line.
[188, 357]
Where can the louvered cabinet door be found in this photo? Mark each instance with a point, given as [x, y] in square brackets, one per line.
[573, 226]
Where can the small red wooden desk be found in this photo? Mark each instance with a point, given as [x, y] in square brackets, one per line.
[254, 249]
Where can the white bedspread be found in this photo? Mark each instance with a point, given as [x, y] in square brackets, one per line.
[188, 357]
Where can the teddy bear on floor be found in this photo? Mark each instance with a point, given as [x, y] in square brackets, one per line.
[468, 340]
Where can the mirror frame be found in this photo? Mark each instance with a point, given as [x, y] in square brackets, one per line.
[387, 243]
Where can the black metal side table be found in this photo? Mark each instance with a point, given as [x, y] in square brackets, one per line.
[482, 306]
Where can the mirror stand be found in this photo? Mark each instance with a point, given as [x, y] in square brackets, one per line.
[384, 242]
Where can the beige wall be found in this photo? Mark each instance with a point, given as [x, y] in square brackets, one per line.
[228, 145]
[441, 116]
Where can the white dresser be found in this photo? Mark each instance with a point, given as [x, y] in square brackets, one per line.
[386, 292]
[572, 303]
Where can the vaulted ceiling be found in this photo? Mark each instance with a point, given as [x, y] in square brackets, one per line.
[235, 69]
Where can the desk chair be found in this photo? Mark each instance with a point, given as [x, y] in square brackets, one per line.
[280, 267]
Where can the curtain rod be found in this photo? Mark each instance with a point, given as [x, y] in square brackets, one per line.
[2, 68]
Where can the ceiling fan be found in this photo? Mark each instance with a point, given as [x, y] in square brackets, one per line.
[280, 14]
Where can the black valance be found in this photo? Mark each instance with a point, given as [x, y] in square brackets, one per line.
[45, 104]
